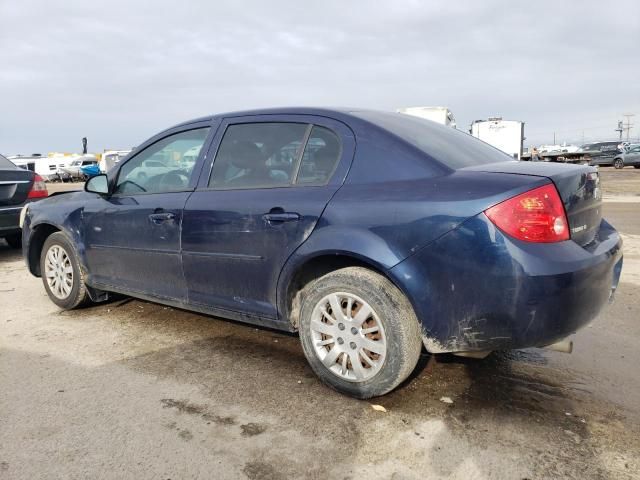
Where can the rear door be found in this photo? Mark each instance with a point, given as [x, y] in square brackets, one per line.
[271, 178]
[132, 237]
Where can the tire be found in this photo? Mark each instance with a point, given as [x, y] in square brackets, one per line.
[636, 166]
[15, 240]
[66, 258]
[618, 163]
[396, 332]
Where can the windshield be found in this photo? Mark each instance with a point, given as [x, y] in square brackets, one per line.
[447, 145]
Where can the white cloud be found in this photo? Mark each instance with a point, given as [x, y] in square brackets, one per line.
[119, 71]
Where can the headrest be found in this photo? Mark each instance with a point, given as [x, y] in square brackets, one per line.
[243, 154]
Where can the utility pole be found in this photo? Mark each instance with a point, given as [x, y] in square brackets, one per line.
[629, 125]
[620, 129]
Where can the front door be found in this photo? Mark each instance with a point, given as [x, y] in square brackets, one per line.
[269, 184]
[132, 237]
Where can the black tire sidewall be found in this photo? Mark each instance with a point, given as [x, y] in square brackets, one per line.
[77, 290]
[385, 302]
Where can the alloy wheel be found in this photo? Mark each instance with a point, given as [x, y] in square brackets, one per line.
[59, 271]
[348, 337]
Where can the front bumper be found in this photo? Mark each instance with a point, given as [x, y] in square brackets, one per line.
[476, 289]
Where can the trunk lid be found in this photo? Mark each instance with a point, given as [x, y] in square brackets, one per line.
[15, 184]
[579, 188]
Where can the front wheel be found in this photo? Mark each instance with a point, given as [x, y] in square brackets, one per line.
[61, 273]
[618, 163]
[359, 332]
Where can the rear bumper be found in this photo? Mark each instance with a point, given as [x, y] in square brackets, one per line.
[476, 289]
[10, 220]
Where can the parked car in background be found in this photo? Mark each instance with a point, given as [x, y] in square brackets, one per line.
[599, 153]
[371, 234]
[631, 157]
[18, 186]
[74, 170]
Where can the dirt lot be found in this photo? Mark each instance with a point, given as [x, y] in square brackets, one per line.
[131, 389]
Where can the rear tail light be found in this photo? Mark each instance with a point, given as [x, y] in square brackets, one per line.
[534, 216]
[38, 189]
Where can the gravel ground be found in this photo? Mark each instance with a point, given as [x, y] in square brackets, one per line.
[131, 389]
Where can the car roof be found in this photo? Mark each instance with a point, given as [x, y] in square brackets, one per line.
[332, 112]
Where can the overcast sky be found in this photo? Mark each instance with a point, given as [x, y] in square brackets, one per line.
[120, 71]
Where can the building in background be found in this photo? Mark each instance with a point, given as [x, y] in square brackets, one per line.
[505, 135]
[440, 115]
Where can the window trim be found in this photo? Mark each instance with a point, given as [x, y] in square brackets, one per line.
[201, 155]
[335, 165]
[292, 183]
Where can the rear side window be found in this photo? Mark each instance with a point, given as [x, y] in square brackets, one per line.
[320, 157]
[258, 155]
[446, 145]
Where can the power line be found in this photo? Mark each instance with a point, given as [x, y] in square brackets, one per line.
[629, 125]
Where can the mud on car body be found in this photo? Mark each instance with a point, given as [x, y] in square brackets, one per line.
[371, 234]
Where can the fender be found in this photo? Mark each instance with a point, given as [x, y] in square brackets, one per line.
[359, 244]
[67, 220]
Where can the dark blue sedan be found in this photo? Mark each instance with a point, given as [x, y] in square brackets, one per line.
[371, 234]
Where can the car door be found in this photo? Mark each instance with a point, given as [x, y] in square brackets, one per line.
[132, 237]
[632, 157]
[269, 183]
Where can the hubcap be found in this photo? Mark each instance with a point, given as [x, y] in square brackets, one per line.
[58, 271]
[348, 337]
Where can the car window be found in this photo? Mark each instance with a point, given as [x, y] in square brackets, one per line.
[437, 140]
[320, 157]
[162, 166]
[258, 155]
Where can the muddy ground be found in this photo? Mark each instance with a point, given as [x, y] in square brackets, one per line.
[131, 389]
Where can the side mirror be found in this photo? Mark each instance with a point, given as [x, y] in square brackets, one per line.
[98, 184]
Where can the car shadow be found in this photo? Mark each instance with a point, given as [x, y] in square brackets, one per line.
[7, 253]
[513, 400]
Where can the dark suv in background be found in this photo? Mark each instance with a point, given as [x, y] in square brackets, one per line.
[17, 187]
[601, 153]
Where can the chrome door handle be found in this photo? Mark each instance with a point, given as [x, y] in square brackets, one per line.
[281, 217]
[159, 218]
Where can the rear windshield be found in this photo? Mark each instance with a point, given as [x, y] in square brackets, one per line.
[447, 145]
[6, 164]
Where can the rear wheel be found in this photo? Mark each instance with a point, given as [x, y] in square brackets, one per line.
[61, 273]
[618, 163]
[15, 240]
[359, 332]
[636, 166]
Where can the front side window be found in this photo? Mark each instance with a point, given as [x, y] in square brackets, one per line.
[258, 155]
[320, 157]
[165, 166]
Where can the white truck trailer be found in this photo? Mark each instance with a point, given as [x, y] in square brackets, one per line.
[440, 115]
[505, 135]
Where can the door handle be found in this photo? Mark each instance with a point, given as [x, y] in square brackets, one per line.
[281, 217]
[159, 218]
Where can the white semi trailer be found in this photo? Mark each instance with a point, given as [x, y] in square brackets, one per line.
[505, 135]
[436, 114]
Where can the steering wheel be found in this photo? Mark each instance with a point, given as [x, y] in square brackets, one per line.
[173, 180]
